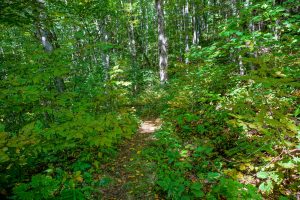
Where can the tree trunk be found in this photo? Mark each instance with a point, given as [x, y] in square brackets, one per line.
[195, 26]
[132, 46]
[105, 54]
[162, 42]
[47, 39]
[241, 65]
[186, 30]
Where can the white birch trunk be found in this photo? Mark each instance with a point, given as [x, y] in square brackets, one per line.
[241, 66]
[105, 56]
[186, 27]
[195, 27]
[162, 42]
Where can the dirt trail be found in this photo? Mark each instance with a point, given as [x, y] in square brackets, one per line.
[132, 174]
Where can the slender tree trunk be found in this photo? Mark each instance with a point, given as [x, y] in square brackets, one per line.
[241, 66]
[47, 39]
[251, 29]
[2, 52]
[147, 32]
[186, 30]
[195, 26]
[234, 7]
[132, 46]
[105, 55]
[102, 35]
[180, 31]
[162, 42]
[235, 13]
[144, 28]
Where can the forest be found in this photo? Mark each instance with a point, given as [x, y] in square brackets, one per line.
[150, 99]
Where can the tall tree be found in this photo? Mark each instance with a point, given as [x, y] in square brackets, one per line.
[162, 42]
[48, 38]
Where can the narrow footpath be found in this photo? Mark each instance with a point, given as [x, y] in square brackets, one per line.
[131, 174]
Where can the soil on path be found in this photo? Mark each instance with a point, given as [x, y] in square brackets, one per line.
[131, 174]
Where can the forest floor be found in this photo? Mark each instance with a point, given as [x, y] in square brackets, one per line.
[131, 174]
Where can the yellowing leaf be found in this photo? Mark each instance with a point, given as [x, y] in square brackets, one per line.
[240, 175]
[243, 167]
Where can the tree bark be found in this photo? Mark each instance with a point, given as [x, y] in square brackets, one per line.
[132, 45]
[162, 42]
[186, 30]
[105, 54]
[195, 26]
[47, 39]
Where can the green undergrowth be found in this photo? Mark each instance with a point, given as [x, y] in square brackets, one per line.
[228, 138]
[192, 170]
[70, 170]
[57, 148]
[232, 128]
[53, 143]
[151, 101]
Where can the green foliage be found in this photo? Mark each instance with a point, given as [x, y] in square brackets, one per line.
[246, 127]
[58, 184]
[67, 132]
[77, 141]
[192, 172]
[71, 194]
[40, 187]
[231, 113]
[230, 189]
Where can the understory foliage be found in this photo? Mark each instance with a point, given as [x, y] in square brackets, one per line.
[52, 144]
[54, 135]
[228, 136]
[76, 76]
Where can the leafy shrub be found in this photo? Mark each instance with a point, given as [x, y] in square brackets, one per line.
[251, 122]
[193, 172]
[40, 187]
[230, 189]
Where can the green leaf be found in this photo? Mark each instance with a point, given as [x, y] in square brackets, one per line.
[197, 189]
[283, 198]
[2, 127]
[213, 176]
[71, 194]
[262, 175]
[105, 181]
[287, 165]
[296, 159]
[297, 112]
[275, 177]
[266, 187]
